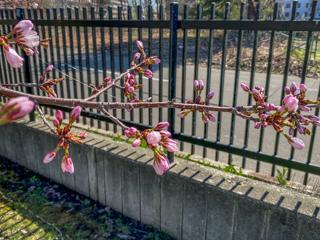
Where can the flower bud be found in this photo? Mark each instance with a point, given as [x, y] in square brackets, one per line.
[136, 143]
[140, 45]
[56, 122]
[49, 157]
[75, 113]
[130, 132]
[291, 103]
[244, 87]
[148, 73]
[153, 138]
[210, 95]
[161, 126]
[59, 115]
[295, 142]
[67, 165]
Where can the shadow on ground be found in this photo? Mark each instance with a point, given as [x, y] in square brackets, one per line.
[33, 207]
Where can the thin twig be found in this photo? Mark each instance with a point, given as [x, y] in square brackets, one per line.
[113, 118]
[45, 121]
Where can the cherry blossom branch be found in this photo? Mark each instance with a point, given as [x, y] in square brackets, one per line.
[120, 105]
[113, 118]
[93, 96]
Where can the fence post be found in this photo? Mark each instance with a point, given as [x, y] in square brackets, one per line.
[26, 65]
[174, 9]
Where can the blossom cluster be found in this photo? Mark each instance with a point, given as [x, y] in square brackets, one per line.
[25, 37]
[65, 136]
[15, 109]
[206, 116]
[158, 140]
[130, 82]
[290, 114]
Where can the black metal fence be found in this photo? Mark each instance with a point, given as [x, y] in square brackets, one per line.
[89, 44]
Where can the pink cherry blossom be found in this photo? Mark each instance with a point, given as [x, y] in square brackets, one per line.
[130, 132]
[139, 45]
[291, 103]
[23, 25]
[67, 164]
[161, 126]
[165, 133]
[148, 73]
[161, 164]
[136, 143]
[210, 95]
[15, 109]
[59, 115]
[56, 122]
[153, 138]
[12, 57]
[170, 144]
[75, 113]
[244, 87]
[29, 38]
[297, 143]
[49, 157]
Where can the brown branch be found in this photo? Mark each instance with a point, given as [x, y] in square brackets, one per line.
[93, 96]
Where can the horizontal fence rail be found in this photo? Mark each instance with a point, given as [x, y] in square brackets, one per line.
[89, 44]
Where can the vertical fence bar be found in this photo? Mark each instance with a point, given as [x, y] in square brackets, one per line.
[51, 59]
[130, 50]
[8, 29]
[65, 52]
[112, 62]
[184, 70]
[121, 62]
[150, 87]
[268, 78]
[209, 70]
[95, 55]
[252, 76]
[236, 83]
[196, 75]
[173, 46]
[103, 54]
[87, 54]
[79, 50]
[222, 76]
[71, 47]
[6, 66]
[285, 78]
[57, 43]
[140, 37]
[26, 65]
[161, 17]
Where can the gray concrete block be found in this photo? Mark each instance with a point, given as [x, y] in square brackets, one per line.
[131, 189]
[81, 177]
[194, 211]
[171, 204]
[100, 159]
[282, 225]
[113, 183]
[246, 216]
[92, 174]
[220, 215]
[150, 187]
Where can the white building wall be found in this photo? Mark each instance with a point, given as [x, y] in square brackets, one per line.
[303, 9]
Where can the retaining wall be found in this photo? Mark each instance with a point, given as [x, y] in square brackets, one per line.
[189, 202]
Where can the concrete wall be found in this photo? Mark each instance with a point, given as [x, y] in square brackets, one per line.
[189, 202]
